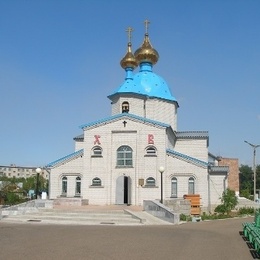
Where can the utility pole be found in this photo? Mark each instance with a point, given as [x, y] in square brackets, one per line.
[254, 164]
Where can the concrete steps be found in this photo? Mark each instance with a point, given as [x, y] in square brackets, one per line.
[48, 212]
[76, 217]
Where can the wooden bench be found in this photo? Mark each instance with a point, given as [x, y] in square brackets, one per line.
[194, 203]
[251, 231]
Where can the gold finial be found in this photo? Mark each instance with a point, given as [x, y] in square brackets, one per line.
[129, 31]
[146, 53]
[129, 59]
[146, 23]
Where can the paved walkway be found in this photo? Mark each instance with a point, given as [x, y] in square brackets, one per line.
[214, 240]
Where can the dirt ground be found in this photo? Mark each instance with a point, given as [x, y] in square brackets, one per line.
[214, 240]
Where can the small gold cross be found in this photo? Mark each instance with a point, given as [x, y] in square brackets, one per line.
[129, 31]
[146, 22]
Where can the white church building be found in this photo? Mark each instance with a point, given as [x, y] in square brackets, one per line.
[137, 153]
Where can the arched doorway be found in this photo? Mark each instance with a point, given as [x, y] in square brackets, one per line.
[123, 190]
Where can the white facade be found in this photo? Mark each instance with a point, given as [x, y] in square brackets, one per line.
[117, 159]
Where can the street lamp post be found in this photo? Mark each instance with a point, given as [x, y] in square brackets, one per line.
[254, 165]
[161, 170]
[38, 171]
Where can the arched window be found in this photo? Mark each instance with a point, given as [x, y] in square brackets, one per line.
[97, 151]
[174, 185]
[191, 188]
[96, 182]
[64, 186]
[78, 186]
[125, 107]
[151, 150]
[150, 181]
[124, 156]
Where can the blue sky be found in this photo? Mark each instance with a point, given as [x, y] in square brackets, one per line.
[59, 60]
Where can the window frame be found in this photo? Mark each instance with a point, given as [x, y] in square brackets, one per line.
[64, 186]
[97, 151]
[174, 187]
[150, 182]
[98, 182]
[191, 185]
[124, 157]
[150, 151]
[78, 186]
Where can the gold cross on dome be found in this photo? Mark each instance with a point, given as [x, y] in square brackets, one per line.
[146, 23]
[129, 31]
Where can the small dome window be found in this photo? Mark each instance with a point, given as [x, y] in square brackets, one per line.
[125, 107]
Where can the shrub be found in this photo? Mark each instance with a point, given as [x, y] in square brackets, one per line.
[246, 211]
[214, 216]
[245, 193]
[184, 217]
[220, 209]
[228, 202]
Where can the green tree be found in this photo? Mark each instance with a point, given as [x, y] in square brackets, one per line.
[246, 181]
[30, 184]
[10, 183]
[228, 202]
[12, 198]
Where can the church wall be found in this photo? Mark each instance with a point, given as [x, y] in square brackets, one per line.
[196, 148]
[134, 134]
[162, 111]
[217, 185]
[155, 109]
[171, 139]
[183, 170]
[115, 106]
[149, 166]
[136, 105]
[79, 145]
[71, 169]
[97, 169]
[97, 166]
[112, 136]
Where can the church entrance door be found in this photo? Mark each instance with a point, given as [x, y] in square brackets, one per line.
[123, 190]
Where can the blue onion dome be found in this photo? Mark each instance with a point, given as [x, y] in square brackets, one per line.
[149, 84]
[145, 83]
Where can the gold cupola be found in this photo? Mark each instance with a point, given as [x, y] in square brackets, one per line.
[146, 53]
[129, 60]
